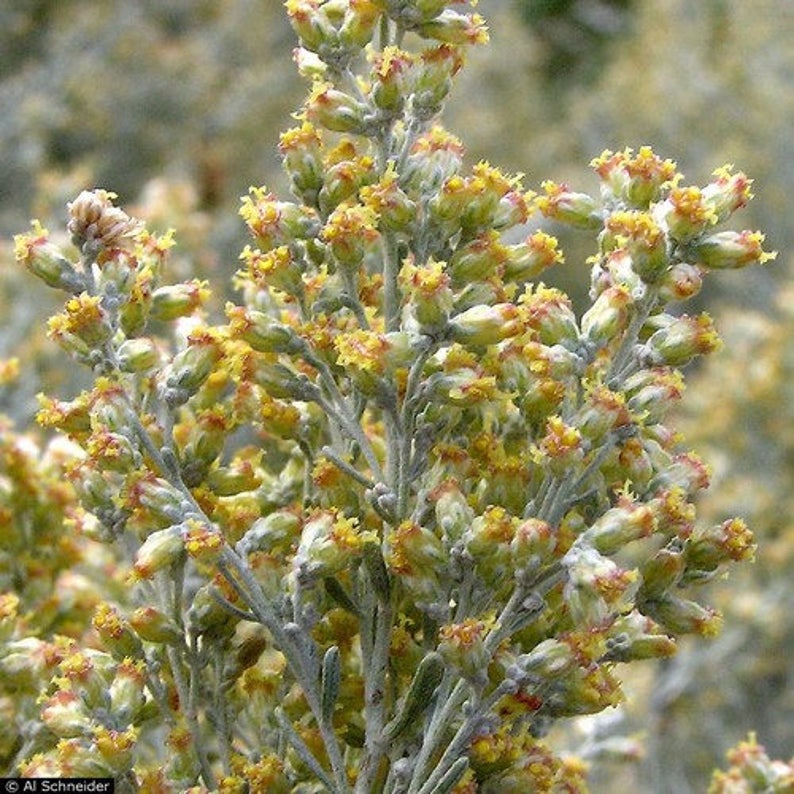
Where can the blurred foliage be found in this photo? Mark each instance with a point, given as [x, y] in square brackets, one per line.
[178, 104]
[576, 34]
[127, 91]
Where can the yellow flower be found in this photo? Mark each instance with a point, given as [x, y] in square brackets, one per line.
[362, 350]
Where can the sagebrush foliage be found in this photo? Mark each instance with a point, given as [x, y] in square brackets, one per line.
[403, 508]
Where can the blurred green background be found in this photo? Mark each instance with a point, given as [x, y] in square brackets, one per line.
[176, 105]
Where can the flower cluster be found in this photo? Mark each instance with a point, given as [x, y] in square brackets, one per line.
[751, 770]
[404, 507]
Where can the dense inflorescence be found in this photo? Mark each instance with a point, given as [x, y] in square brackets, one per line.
[403, 507]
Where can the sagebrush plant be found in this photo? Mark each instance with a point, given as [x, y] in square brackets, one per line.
[403, 508]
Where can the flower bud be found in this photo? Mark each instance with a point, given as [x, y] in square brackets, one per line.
[488, 540]
[431, 295]
[433, 79]
[462, 646]
[727, 193]
[413, 549]
[576, 209]
[391, 71]
[608, 316]
[128, 690]
[279, 380]
[680, 282]
[687, 473]
[621, 525]
[675, 514]
[634, 637]
[483, 194]
[65, 715]
[478, 259]
[549, 312]
[72, 417]
[116, 633]
[452, 511]
[160, 550]
[681, 616]
[25, 664]
[363, 354]
[83, 326]
[512, 210]
[137, 355]
[145, 491]
[207, 616]
[486, 325]
[359, 23]
[88, 672]
[533, 542]
[277, 530]
[549, 659]
[449, 203]
[112, 451]
[201, 541]
[594, 584]
[476, 294]
[394, 210]
[267, 774]
[708, 548]
[351, 232]
[464, 387]
[681, 340]
[134, 312]
[328, 544]
[454, 28]
[262, 332]
[276, 223]
[310, 23]
[9, 613]
[602, 412]
[661, 573]
[116, 747]
[234, 479]
[644, 240]
[629, 462]
[301, 152]
[560, 448]
[78, 758]
[653, 392]
[527, 260]
[45, 260]
[435, 157]
[729, 250]
[152, 625]
[588, 690]
[637, 180]
[345, 174]
[334, 109]
[94, 220]
[192, 366]
[686, 214]
[178, 300]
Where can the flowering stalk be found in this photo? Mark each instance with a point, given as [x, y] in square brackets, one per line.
[387, 498]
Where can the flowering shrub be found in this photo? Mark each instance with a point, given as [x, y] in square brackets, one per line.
[403, 508]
